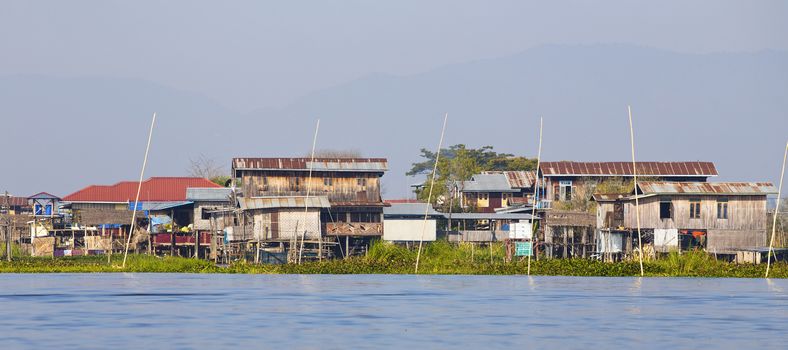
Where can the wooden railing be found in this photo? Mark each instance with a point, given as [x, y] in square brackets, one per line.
[354, 229]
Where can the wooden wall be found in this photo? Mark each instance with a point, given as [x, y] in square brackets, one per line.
[345, 187]
[744, 213]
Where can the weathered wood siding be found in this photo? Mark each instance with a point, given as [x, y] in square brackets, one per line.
[720, 241]
[744, 213]
[286, 224]
[343, 187]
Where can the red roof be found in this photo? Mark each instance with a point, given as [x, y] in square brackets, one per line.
[155, 189]
[704, 169]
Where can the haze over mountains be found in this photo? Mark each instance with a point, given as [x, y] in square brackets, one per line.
[729, 108]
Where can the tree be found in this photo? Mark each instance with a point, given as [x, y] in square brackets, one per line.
[458, 164]
[207, 168]
[485, 158]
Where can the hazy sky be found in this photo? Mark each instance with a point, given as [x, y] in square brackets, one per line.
[85, 76]
[257, 54]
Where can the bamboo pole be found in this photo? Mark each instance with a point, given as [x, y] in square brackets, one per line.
[139, 188]
[306, 201]
[635, 175]
[536, 193]
[429, 197]
[776, 212]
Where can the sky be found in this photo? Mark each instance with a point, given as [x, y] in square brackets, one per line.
[252, 55]
[250, 59]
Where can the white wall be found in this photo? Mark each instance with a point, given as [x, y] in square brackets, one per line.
[408, 229]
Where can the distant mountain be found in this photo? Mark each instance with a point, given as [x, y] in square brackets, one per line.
[729, 108]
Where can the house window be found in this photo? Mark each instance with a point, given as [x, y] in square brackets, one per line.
[484, 196]
[295, 184]
[328, 182]
[505, 197]
[265, 183]
[694, 208]
[361, 182]
[565, 190]
[364, 217]
[722, 208]
[665, 209]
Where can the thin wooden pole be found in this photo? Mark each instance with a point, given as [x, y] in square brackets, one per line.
[776, 212]
[536, 193]
[635, 175]
[306, 201]
[429, 197]
[139, 188]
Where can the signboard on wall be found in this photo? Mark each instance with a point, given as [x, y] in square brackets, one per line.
[520, 230]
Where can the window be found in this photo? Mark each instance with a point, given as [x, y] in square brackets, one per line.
[694, 208]
[328, 182]
[722, 208]
[265, 183]
[565, 190]
[665, 209]
[295, 184]
[505, 198]
[361, 182]
[484, 196]
[364, 217]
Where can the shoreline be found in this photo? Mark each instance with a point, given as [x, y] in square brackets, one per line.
[689, 265]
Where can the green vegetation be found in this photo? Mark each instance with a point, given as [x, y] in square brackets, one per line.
[437, 258]
[459, 163]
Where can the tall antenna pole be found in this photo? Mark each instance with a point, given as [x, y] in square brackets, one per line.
[776, 212]
[139, 188]
[429, 197]
[637, 202]
[308, 188]
[536, 189]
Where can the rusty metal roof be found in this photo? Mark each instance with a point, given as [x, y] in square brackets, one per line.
[276, 202]
[727, 188]
[564, 168]
[521, 179]
[320, 164]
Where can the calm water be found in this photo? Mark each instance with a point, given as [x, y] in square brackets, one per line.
[223, 311]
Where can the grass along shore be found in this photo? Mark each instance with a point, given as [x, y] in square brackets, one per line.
[383, 258]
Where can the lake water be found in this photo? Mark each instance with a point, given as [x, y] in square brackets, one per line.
[323, 312]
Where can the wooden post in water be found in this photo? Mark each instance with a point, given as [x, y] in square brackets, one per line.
[536, 194]
[635, 180]
[776, 212]
[429, 197]
[139, 188]
[306, 201]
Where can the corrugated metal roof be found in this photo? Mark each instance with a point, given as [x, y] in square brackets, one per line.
[156, 206]
[43, 195]
[489, 216]
[284, 202]
[702, 169]
[487, 183]
[202, 194]
[320, 164]
[521, 179]
[13, 201]
[607, 197]
[161, 189]
[728, 188]
[410, 209]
